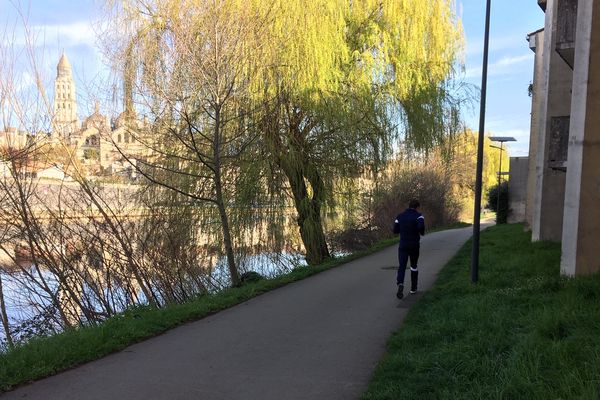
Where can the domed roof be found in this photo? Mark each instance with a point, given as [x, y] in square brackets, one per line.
[63, 67]
[125, 118]
[95, 120]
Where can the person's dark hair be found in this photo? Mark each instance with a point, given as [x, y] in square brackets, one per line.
[414, 203]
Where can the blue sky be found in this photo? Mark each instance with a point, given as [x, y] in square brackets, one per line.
[69, 25]
[510, 65]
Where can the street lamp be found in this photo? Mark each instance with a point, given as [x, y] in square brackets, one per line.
[479, 172]
[500, 139]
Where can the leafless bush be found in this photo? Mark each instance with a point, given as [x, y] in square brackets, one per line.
[432, 187]
[403, 182]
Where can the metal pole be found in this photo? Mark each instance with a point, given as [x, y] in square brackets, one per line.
[499, 183]
[479, 172]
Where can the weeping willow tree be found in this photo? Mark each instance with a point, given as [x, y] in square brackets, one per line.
[317, 88]
[344, 75]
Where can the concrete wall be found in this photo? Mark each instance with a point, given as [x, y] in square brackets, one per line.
[517, 189]
[536, 44]
[550, 183]
[581, 233]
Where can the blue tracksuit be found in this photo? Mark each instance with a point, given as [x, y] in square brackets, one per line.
[411, 226]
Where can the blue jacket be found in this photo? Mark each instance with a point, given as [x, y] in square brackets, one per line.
[410, 225]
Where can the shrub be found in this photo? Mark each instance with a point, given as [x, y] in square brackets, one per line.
[492, 198]
[91, 154]
[430, 186]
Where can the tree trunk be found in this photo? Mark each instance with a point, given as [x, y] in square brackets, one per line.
[227, 241]
[4, 317]
[299, 171]
[309, 215]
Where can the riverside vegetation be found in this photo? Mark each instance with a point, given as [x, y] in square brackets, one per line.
[46, 356]
[42, 357]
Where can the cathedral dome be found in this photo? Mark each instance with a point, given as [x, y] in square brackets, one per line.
[96, 120]
[125, 118]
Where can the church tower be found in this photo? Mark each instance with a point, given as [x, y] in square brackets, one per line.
[65, 121]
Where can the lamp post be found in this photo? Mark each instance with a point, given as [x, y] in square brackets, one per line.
[500, 139]
[479, 173]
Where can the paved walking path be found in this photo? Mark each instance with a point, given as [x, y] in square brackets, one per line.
[319, 338]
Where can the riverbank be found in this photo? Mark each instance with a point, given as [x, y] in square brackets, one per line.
[523, 332]
[288, 343]
[46, 356]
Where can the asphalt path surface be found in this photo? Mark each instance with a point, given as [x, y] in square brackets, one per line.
[319, 338]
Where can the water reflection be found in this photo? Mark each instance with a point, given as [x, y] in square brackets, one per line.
[31, 311]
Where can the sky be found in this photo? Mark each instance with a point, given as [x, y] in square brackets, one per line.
[69, 25]
[510, 67]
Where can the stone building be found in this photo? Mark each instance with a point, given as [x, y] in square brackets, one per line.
[14, 138]
[65, 120]
[101, 144]
[563, 195]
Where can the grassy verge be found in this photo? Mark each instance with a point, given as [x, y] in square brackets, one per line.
[46, 356]
[522, 333]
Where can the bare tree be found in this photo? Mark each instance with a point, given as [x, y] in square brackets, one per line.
[191, 68]
[78, 251]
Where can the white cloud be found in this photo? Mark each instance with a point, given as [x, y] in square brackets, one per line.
[25, 81]
[73, 34]
[508, 61]
[512, 42]
[501, 67]
[519, 149]
[63, 35]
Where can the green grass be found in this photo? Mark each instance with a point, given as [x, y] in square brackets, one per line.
[523, 332]
[46, 356]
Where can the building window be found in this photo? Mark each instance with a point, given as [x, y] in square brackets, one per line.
[119, 138]
[126, 137]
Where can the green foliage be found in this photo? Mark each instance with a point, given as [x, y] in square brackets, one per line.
[458, 156]
[91, 154]
[499, 207]
[363, 66]
[321, 86]
[523, 332]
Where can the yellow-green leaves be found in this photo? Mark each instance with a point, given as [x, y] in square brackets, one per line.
[309, 47]
[404, 44]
